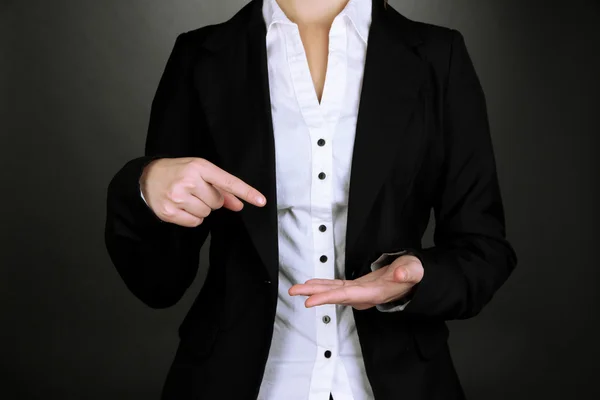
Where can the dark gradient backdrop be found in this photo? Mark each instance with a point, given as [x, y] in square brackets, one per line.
[77, 78]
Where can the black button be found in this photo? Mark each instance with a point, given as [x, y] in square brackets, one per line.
[322, 228]
[321, 142]
[326, 319]
[323, 259]
[322, 175]
[327, 354]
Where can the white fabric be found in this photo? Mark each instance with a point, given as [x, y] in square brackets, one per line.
[297, 368]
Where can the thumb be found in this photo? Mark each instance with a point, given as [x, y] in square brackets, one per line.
[411, 272]
[402, 274]
[406, 273]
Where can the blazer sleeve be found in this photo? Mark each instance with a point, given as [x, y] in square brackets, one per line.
[471, 257]
[157, 260]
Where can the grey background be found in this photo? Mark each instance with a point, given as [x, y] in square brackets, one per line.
[77, 79]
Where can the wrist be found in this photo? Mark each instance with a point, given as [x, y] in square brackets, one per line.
[142, 181]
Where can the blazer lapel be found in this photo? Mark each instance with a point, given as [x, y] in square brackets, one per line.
[258, 169]
[393, 77]
[238, 109]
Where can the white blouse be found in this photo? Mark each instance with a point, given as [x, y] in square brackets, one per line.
[314, 352]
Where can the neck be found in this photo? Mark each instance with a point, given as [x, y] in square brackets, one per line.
[312, 12]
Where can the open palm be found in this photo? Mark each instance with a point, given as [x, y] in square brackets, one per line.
[386, 284]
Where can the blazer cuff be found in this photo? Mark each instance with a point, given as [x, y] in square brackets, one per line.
[125, 196]
[382, 261]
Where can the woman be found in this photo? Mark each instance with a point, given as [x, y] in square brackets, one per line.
[342, 124]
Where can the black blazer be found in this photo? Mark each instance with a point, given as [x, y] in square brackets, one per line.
[422, 142]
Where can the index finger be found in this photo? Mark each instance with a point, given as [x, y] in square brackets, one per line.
[234, 185]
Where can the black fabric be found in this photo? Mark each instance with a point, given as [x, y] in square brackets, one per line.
[422, 142]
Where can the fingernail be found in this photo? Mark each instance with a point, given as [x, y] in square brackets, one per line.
[260, 200]
[404, 276]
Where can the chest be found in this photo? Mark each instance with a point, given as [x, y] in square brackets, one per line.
[314, 138]
[316, 46]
